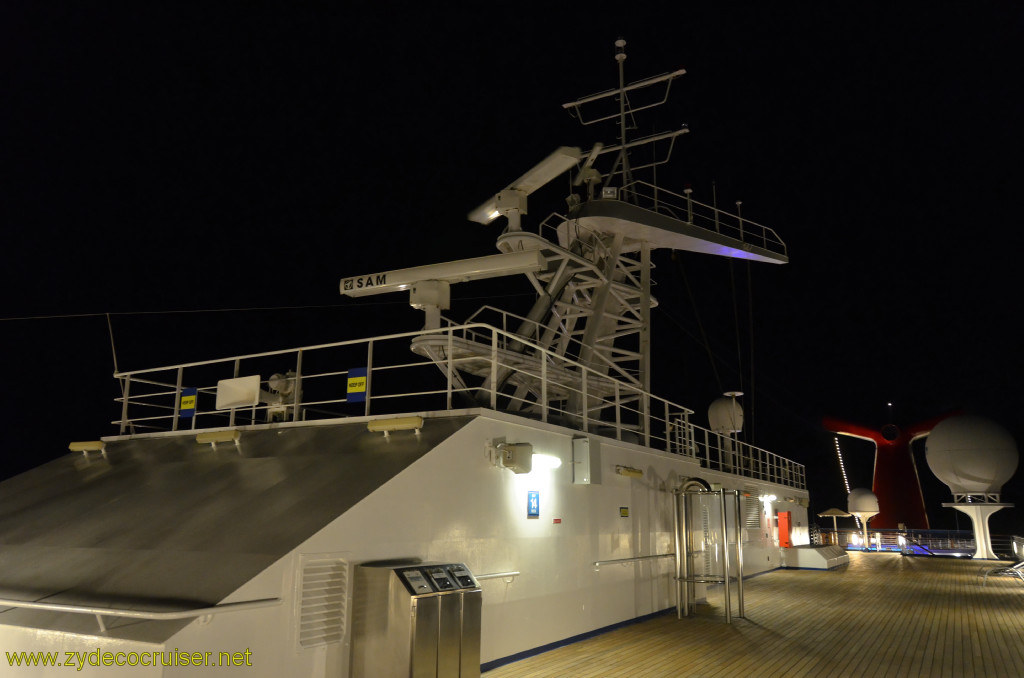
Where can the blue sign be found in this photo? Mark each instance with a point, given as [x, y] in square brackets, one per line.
[187, 406]
[356, 392]
[533, 504]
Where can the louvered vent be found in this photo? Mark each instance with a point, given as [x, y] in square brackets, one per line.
[705, 523]
[752, 520]
[324, 595]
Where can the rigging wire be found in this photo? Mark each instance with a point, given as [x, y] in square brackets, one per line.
[113, 351]
[696, 313]
[736, 323]
[750, 337]
[63, 316]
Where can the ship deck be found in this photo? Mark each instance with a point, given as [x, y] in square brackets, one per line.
[881, 615]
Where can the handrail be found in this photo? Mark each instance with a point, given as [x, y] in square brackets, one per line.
[498, 575]
[660, 423]
[744, 227]
[101, 612]
[623, 561]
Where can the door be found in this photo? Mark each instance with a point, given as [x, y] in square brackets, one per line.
[785, 529]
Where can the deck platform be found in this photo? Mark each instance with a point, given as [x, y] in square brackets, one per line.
[881, 615]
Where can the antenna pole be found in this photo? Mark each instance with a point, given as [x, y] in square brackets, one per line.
[620, 56]
[113, 351]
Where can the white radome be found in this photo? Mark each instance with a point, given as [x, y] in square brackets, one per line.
[862, 500]
[725, 415]
[971, 454]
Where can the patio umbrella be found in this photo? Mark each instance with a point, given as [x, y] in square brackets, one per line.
[834, 513]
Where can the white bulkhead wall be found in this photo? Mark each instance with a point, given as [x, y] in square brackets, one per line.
[454, 505]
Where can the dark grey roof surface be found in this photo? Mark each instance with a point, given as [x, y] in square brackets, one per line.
[166, 523]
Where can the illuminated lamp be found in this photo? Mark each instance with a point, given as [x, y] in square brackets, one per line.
[516, 457]
[386, 426]
[546, 461]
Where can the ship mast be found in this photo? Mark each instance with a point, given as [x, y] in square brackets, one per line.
[595, 296]
[591, 269]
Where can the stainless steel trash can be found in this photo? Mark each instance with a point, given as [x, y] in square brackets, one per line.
[415, 620]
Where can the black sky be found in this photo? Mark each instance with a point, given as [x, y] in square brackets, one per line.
[156, 159]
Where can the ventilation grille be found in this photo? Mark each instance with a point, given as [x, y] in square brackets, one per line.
[705, 524]
[752, 520]
[323, 595]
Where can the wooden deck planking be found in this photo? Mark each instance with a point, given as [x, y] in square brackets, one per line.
[882, 615]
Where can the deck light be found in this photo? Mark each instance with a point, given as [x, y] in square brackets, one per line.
[516, 457]
[386, 426]
[87, 446]
[214, 437]
[546, 461]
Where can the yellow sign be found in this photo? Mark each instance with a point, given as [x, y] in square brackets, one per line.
[357, 381]
[188, 402]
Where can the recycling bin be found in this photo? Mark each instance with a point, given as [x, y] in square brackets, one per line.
[415, 620]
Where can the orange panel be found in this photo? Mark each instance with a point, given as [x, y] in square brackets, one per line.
[785, 527]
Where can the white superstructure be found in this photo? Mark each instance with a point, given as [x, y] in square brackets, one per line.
[229, 517]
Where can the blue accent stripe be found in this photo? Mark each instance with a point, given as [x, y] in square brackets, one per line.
[493, 664]
[487, 666]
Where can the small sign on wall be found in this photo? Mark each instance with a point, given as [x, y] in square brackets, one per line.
[623, 511]
[533, 504]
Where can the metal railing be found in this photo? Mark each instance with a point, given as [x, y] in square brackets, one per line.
[917, 542]
[463, 373]
[152, 615]
[635, 559]
[507, 576]
[685, 208]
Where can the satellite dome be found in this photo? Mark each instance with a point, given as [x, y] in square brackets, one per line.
[725, 414]
[971, 454]
[862, 501]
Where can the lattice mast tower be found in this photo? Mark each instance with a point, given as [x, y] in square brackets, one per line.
[594, 297]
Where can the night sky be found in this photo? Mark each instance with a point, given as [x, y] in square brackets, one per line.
[162, 165]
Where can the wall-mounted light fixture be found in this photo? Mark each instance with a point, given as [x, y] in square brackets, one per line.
[516, 457]
[520, 457]
[386, 426]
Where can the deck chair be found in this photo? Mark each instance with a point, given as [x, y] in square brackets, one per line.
[1015, 570]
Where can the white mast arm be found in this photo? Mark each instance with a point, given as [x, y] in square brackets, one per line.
[429, 285]
[463, 270]
[511, 202]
